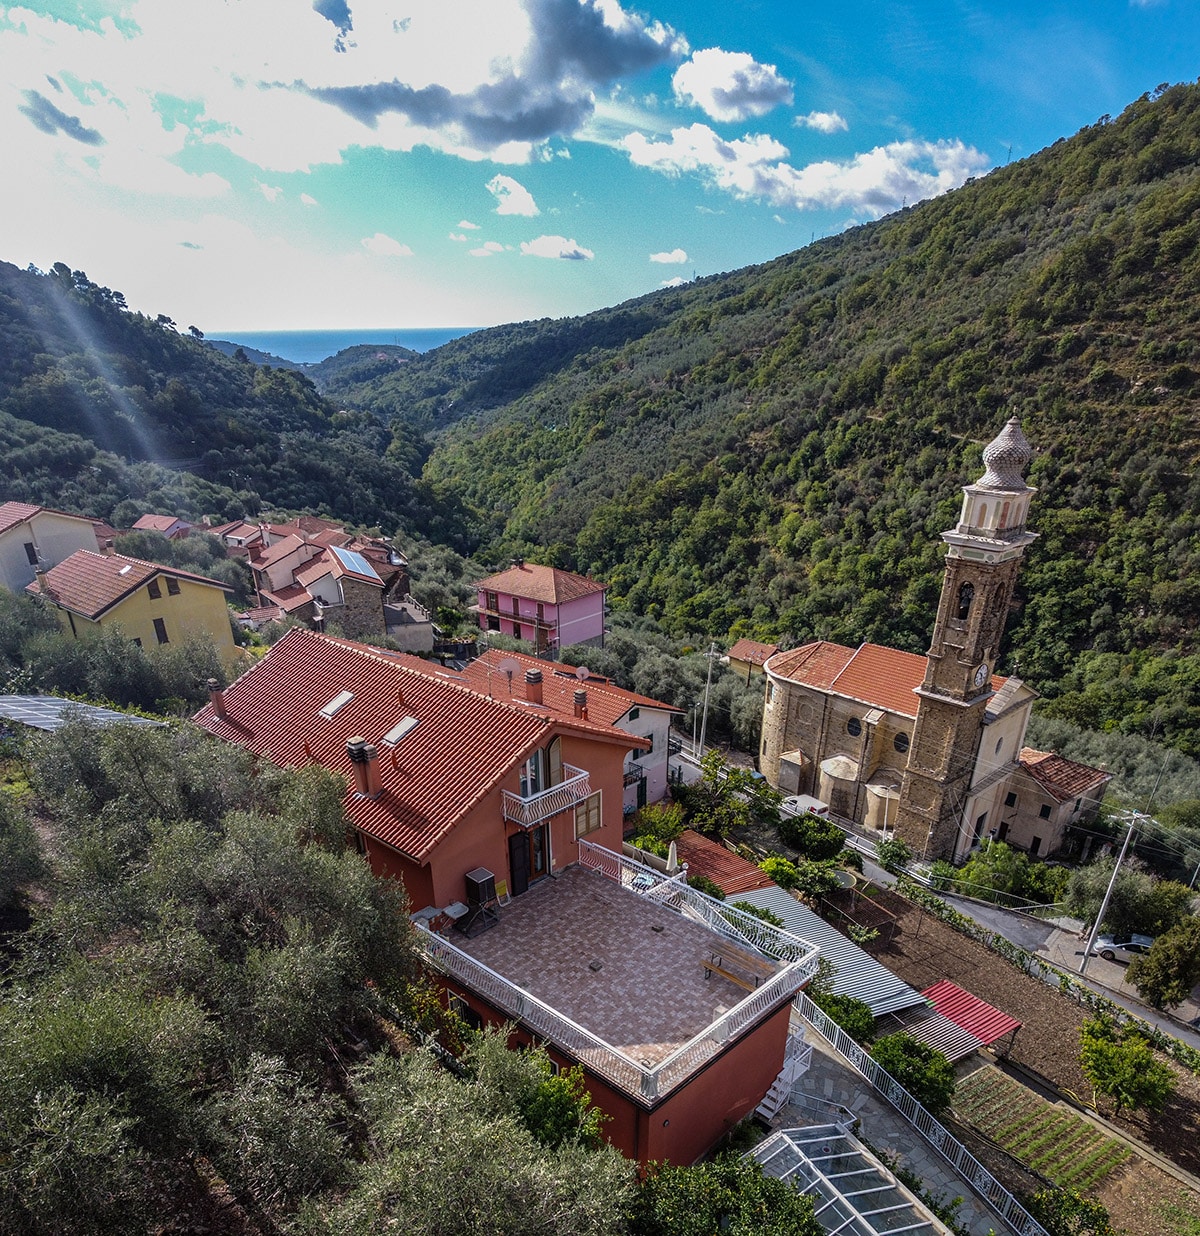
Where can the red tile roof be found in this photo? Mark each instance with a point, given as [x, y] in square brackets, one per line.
[752, 652]
[289, 598]
[883, 677]
[1060, 777]
[812, 665]
[729, 871]
[606, 702]
[158, 523]
[972, 1014]
[90, 584]
[13, 513]
[281, 549]
[541, 583]
[463, 745]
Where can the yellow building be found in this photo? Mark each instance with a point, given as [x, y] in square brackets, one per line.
[152, 604]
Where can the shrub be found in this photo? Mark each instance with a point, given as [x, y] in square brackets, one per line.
[893, 854]
[704, 885]
[922, 1070]
[853, 1015]
[813, 836]
[759, 912]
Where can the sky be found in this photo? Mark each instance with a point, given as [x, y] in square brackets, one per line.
[350, 164]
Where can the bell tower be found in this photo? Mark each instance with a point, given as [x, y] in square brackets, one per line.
[985, 552]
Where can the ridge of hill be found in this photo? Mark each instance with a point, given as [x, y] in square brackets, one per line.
[775, 452]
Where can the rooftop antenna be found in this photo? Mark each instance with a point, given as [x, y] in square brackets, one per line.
[508, 667]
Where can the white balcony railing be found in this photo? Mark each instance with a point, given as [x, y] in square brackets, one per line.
[534, 808]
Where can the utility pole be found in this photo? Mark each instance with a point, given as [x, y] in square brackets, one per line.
[1131, 819]
[711, 654]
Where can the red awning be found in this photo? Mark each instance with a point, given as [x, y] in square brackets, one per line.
[974, 1015]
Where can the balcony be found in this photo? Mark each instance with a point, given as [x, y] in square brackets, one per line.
[633, 774]
[534, 808]
[646, 1019]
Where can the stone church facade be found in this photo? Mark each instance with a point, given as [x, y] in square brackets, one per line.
[923, 748]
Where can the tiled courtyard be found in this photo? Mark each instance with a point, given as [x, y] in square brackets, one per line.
[628, 970]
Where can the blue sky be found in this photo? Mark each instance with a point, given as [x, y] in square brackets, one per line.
[321, 164]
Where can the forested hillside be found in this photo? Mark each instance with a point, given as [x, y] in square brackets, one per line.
[774, 452]
[100, 406]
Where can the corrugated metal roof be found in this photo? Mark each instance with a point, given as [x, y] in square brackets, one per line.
[856, 973]
[942, 1034]
[974, 1015]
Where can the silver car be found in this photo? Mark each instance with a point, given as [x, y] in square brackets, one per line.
[1123, 948]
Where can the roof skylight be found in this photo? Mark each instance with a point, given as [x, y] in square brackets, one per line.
[398, 730]
[339, 701]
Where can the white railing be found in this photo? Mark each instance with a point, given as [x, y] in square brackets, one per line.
[534, 808]
[674, 893]
[945, 1143]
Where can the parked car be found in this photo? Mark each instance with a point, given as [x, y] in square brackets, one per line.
[1123, 948]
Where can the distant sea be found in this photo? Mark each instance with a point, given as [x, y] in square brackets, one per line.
[308, 347]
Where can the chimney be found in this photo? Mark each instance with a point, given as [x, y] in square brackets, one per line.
[581, 704]
[108, 547]
[519, 563]
[364, 762]
[533, 686]
[216, 697]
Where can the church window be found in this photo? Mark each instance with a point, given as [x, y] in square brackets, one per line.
[854, 727]
[900, 742]
[966, 594]
[1010, 799]
[999, 745]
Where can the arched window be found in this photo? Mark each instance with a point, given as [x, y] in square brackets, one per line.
[981, 519]
[966, 594]
[1004, 516]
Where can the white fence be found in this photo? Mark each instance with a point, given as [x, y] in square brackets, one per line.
[944, 1142]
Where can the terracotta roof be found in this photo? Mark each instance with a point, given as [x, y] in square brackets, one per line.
[607, 703]
[969, 1012]
[812, 665]
[729, 871]
[752, 652]
[1060, 777]
[292, 597]
[541, 583]
[90, 584]
[461, 747]
[281, 549]
[158, 523]
[883, 677]
[13, 513]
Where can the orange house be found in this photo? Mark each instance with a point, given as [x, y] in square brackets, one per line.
[502, 816]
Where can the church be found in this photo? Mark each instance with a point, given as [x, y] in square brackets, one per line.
[930, 749]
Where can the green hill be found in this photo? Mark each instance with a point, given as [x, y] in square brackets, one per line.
[775, 451]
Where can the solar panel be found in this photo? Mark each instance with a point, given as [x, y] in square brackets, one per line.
[46, 712]
[355, 562]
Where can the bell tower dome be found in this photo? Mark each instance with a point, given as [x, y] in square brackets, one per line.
[984, 555]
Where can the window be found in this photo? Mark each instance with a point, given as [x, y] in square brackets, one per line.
[155, 592]
[516, 605]
[160, 631]
[1034, 846]
[31, 553]
[493, 623]
[1078, 804]
[1045, 811]
[966, 594]
[172, 586]
[770, 691]
[901, 742]
[517, 631]
[854, 727]
[137, 641]
[491, 600]
[541, 612]
[587, 815]
[650, 739]
[634, 713]
[531, 775]
[999, 745]
[465, 1013]
[1010, 799]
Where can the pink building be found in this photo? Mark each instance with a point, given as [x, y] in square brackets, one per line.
[549, 608]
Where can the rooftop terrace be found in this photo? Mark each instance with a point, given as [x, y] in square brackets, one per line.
[621, 967]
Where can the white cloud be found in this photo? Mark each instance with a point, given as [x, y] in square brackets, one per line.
[383, 245]
[459, 236]
[870, 184]
[511, 197]
[823, 122]
[675, 256]
[488, 249]
[307, 199]
[556, 247]
[270, 192]
[730, 85]
[677, 282]
[468, 226]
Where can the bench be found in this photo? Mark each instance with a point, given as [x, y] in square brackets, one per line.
[739, 966]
